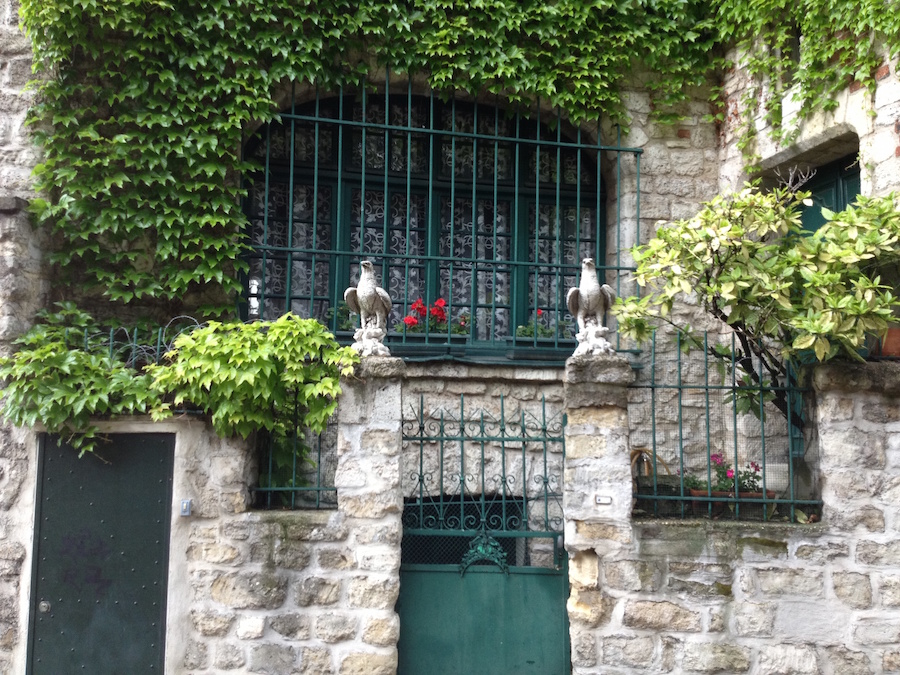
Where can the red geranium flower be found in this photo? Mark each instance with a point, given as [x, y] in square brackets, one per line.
[419, 307]
[410, 321]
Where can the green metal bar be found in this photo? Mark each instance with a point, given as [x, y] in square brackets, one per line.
[375, 126]
[289, 254]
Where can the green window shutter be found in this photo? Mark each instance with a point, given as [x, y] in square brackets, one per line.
[834, 187]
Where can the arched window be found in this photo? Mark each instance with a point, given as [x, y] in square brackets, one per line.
[476, 218]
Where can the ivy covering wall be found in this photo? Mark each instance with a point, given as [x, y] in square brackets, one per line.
[145, 102]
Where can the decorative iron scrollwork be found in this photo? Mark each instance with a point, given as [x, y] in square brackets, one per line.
[484, 547]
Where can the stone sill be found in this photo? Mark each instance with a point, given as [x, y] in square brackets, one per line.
[882, 377]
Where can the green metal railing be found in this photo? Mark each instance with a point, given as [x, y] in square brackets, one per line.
[712, 443]
[478, 211]
[489, 477]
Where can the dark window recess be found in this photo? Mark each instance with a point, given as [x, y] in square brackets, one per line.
[834, 186]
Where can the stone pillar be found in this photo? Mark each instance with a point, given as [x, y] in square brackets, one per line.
[370, 499]
[597, 490]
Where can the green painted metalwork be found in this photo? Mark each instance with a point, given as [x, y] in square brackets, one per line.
[484, 209]
[702, 422]
[101, 557]
[484, 548]
[483, 576]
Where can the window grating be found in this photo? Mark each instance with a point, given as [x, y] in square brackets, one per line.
[485, 210]
[708, 443]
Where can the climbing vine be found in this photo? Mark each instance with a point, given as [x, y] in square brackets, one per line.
[803, 52]
[142, 115]
[267, 375]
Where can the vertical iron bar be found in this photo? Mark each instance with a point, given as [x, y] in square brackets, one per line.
[289, 243]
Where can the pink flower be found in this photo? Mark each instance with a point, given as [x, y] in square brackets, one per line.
[730, 473]
[755, 467]
[717, 459]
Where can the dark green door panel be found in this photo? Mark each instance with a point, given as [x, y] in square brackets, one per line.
[485, 622]
[101, 557]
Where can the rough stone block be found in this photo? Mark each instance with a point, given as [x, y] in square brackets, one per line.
[251, 627]
[846, 662]
[249, 590]
[211, 623]
[890, 591]
[336, 558]
[853, 588]
[788, 660]
[634, 652]
[367, 663]
[333, 627]
[378, 559]
[632, 575]
[196, 656]
[713, 657]
[273, 552]
[822, 552]
[315, 661]
[877, 632]
[853, 449]
[387, 533]
[890, 661]
[584, 649]
[292, 626]
[382, 631]
[589, 609]
[661, 615]
[370, 505]
[272, 659]
[584, 570]
[229, 656]
[806, 583]
[317, 591]
[215, 553]
[373, 592]
[753, 619]
[874, 553]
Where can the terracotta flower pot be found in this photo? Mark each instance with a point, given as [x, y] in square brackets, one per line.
[751, 510]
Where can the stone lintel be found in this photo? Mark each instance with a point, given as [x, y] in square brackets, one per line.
[386, 367]
[877, 377]
[594, 381]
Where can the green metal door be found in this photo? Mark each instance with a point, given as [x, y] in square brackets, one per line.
[487, 620]
[483, 577]
[101, 557]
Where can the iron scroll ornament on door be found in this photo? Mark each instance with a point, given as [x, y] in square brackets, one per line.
[484, 547]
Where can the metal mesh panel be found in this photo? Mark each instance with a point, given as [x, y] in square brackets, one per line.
[296, 471]
[706, 443]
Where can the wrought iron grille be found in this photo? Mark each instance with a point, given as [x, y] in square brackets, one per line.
[482, 487]
[476, 217]
[707, 442]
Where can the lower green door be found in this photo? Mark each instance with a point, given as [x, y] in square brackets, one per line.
[101, 557]
[485, 622]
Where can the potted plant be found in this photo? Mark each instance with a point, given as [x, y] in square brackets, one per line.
[433, 324]
[726, 482]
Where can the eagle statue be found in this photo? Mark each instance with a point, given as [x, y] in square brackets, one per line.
[373, 304]
[588, 303]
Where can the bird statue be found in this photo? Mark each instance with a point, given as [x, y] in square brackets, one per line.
[588, 303]
[373, 305]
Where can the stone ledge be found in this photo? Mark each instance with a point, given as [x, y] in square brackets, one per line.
[877, 377]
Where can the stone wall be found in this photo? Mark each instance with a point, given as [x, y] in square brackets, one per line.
[710, 597]
[860, 121]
